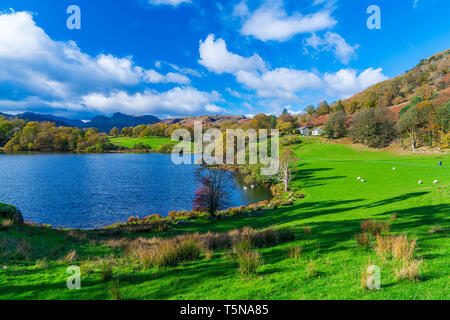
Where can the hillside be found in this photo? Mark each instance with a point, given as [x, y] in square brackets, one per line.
[431, 76]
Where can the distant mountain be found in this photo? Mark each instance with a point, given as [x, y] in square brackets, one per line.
[119, 120]
[102, 123]
[59, 121]
[206, 120]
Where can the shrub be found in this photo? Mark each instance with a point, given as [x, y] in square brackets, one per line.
[289, 140]
[167, 148]
[374, 127]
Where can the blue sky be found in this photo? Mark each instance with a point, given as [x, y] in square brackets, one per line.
[189, 57]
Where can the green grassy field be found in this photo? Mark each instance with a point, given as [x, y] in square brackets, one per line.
[334, 206]
[154, 142]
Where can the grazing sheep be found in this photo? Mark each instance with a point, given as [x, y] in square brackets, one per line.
[359, 178]
[245, 188]
[420, 181]
[435, 181]
[362, 180]
[394, 168]
[253, 186]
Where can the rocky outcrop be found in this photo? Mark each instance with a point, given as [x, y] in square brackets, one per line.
[11, 213]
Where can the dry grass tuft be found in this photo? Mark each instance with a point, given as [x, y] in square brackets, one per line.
[157, 252]
[6, 224]
[307, 231]
[399, 247]
[408, 269]
[393, 217]
[374, 227]
[69, 257]
[403, 249]
[294, 253]
[23, 250]
[363, 239]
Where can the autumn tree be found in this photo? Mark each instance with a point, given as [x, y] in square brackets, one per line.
[115, 132]
[335, 125]
[374, 127]
[214, 190]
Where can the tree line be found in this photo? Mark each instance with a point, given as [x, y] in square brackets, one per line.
[17, 135]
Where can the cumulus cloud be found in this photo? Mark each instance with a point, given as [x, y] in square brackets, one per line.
[215, 56]
[280, 83]
[271, 22]
[347, 82]
[252, 71]
[179, 100]
[284, 84]
[35, 68]
[333, 42]
[173, 3]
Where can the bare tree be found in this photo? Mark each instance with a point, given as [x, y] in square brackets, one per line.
[286, 157]
[213, 194]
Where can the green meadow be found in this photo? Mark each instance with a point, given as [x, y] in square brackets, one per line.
[153, 142]
[328, 263]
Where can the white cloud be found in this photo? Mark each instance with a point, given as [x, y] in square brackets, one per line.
[271, 22]
[346, 82]
[279, 83]
[212, 108]
[153, 76]
[57, 74]
[179, 100]
[173, 3]
[252, 73]
[241, 9]
[332, 42]
[215, 56]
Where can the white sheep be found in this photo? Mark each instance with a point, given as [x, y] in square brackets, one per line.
[359, 178]
[420, 181]
[245, 188]
[394, 168]
[435, 181]
[253, 186]
[362, 180]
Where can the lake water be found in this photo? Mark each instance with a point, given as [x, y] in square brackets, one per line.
[96, 190]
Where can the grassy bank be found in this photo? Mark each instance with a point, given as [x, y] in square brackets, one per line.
[323, 262]
[155, 142]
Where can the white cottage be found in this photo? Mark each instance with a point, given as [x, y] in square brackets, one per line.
[317, 131]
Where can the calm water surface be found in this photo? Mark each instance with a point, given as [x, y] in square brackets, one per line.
[93, 191]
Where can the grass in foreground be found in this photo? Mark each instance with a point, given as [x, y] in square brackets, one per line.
[323, 262]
